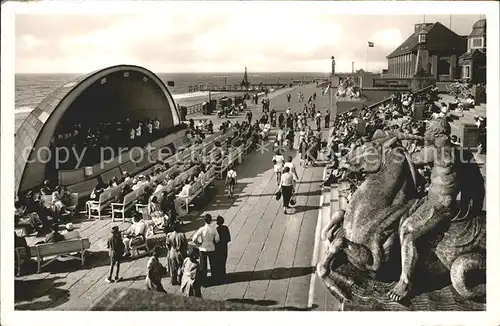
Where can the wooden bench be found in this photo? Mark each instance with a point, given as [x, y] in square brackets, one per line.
[105, 199]
[248, 145]
[182, 144]
[127, 203]
[221, 168]
[208, 179]
[196, 189]
[59, 249]
[235, 154]
[21, 256]
[84, 188]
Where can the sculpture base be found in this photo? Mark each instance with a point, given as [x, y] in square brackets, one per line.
[432, 291]
[420, 82]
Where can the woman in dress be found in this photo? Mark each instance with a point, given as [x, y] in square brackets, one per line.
[303, 152]
[155, 272]
[190, 284]
[287, 185]
[177, 251]
[159, 219]
[57, 206]
[278, 161]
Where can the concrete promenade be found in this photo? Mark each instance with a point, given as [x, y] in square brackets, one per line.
[270, 260]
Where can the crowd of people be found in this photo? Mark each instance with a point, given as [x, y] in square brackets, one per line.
[108, 133]
[88, 138]
[396, 115]
[187, 265]
[36, 211]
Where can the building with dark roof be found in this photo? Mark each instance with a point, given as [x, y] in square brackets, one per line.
[473, 62]
[444, 45]
[122, 90]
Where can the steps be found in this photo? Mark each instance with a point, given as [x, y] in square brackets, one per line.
[320, 299]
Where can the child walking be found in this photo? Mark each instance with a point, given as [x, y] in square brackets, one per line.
[116, 249]
[231, 180]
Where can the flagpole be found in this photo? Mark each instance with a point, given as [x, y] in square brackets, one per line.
[367, 48]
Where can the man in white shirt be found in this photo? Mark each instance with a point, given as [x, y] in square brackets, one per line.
[139, 182]
[288, 111]
[206, 237]
[279, 137]
[180, 201]
[159, 187]
[291, 166]
[136, 232]
[170, 180]
[126, 177]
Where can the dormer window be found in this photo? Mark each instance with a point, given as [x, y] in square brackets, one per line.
[422, 37]
[476, 43]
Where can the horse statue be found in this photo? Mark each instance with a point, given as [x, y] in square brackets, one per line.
[367, 232]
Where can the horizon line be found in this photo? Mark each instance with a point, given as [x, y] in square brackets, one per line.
[204, 72]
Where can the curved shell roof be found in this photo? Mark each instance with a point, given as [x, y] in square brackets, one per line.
[479, 28]
[52, 108]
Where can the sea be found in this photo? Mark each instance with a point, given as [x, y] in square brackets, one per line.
[31, 89]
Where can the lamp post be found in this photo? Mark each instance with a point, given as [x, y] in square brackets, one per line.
[333, 110]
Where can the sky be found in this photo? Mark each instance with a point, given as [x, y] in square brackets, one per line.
[185, 38]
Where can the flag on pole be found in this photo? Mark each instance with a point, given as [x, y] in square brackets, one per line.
[371, 45]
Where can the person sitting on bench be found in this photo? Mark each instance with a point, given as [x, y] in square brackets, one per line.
[135, 234]
[180, 201]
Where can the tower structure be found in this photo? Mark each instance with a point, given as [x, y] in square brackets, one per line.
[422, 65]
[245, 83]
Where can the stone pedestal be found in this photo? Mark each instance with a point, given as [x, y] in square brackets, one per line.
[419, 82]
[479, 93]
[360, 125]
[468, 134]
[366, 81]
[418, 111]
[335, 81]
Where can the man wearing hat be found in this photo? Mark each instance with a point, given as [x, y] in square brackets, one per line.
[71, 233]
[126, 177]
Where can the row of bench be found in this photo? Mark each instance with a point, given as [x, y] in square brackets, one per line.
[107, 198]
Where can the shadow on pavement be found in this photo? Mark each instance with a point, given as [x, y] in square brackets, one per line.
[264, 303]
[267, 274]
[31, 290]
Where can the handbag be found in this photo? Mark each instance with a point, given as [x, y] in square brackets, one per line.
[292, 201]
[278, 195]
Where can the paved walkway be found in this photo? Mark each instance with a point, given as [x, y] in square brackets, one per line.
[270, 255]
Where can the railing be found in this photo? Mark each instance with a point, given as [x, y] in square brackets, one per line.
[391, 82]
[388, 99]
[195, 108]
[232, 88]
[240, 88]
